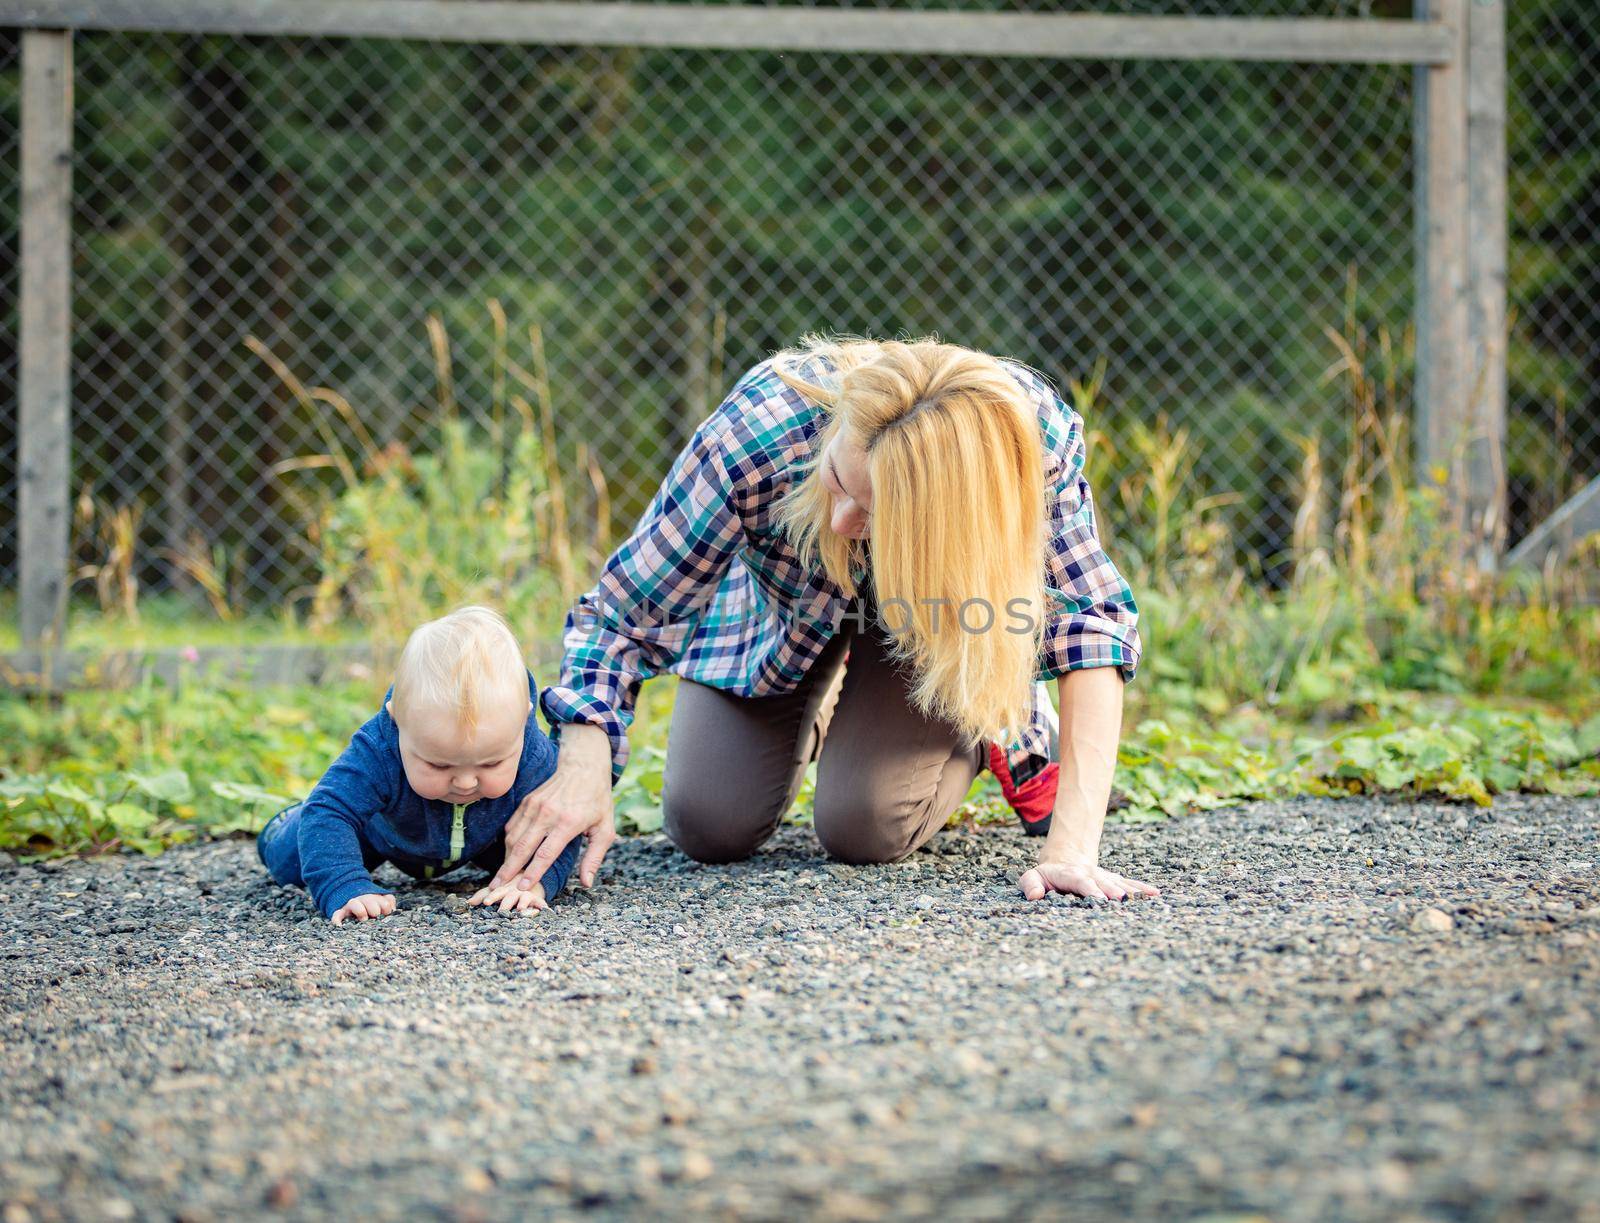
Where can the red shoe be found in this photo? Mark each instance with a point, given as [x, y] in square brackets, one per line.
[1034, 799]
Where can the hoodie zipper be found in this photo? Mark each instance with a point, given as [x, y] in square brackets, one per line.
[458, 834]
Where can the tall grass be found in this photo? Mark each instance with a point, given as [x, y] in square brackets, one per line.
[1372, 594]
[1381, 592]
[474, 515]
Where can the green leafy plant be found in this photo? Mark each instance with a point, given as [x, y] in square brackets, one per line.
[1163, 771]
[1474, 756]
[155, 765]
[131, 810]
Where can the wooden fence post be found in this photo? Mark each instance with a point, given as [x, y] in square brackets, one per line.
[1486, 277]
[45, 387]
[1443, 338]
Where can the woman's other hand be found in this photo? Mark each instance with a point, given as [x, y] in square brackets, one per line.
[1081, 879]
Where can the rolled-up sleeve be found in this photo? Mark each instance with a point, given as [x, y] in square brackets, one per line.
[1093, 620]
[641, 613]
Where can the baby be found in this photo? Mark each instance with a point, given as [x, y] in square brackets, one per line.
[429, 782]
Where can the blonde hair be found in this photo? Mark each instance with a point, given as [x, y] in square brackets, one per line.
[958, 514]
[459, 664]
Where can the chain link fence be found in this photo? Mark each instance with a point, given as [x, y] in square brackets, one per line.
[1553, 132]
[667, 217]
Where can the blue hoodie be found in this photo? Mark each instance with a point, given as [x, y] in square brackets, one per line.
[364, 811]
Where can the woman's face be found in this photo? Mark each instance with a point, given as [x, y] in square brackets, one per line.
[846, 477]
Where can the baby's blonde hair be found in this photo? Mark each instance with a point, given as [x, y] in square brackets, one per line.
[459, 664]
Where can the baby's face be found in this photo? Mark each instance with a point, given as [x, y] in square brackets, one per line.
[442, 763]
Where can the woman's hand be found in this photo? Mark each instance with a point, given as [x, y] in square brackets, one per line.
[511, 898]
[1081, 878]
[575, 801]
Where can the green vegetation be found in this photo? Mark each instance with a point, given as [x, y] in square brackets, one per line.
[156, 766]
[168, 622]
[1382, 664]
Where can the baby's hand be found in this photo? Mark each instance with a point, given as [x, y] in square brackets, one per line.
[363, 907]
[510, 898]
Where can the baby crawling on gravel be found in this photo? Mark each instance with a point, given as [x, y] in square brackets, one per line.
[429, 782]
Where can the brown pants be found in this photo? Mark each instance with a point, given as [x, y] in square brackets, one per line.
[888, 778]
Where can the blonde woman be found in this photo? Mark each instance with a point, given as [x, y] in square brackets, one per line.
[868, 556]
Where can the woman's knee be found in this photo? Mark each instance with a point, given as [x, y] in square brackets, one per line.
[864, 833]
[711, 831]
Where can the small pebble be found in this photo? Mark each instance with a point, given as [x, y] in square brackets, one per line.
[1432, 921]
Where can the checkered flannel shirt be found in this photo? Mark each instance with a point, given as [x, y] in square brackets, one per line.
[708, 588]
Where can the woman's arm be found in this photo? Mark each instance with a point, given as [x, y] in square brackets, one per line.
[633, 624]
[1092, 646]
[1091, 726]
[638, 617]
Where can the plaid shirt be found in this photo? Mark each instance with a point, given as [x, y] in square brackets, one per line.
[708, 588]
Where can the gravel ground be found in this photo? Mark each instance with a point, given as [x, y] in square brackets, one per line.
[1336, 1010]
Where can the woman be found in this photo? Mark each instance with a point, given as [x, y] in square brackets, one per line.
[867, 556]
